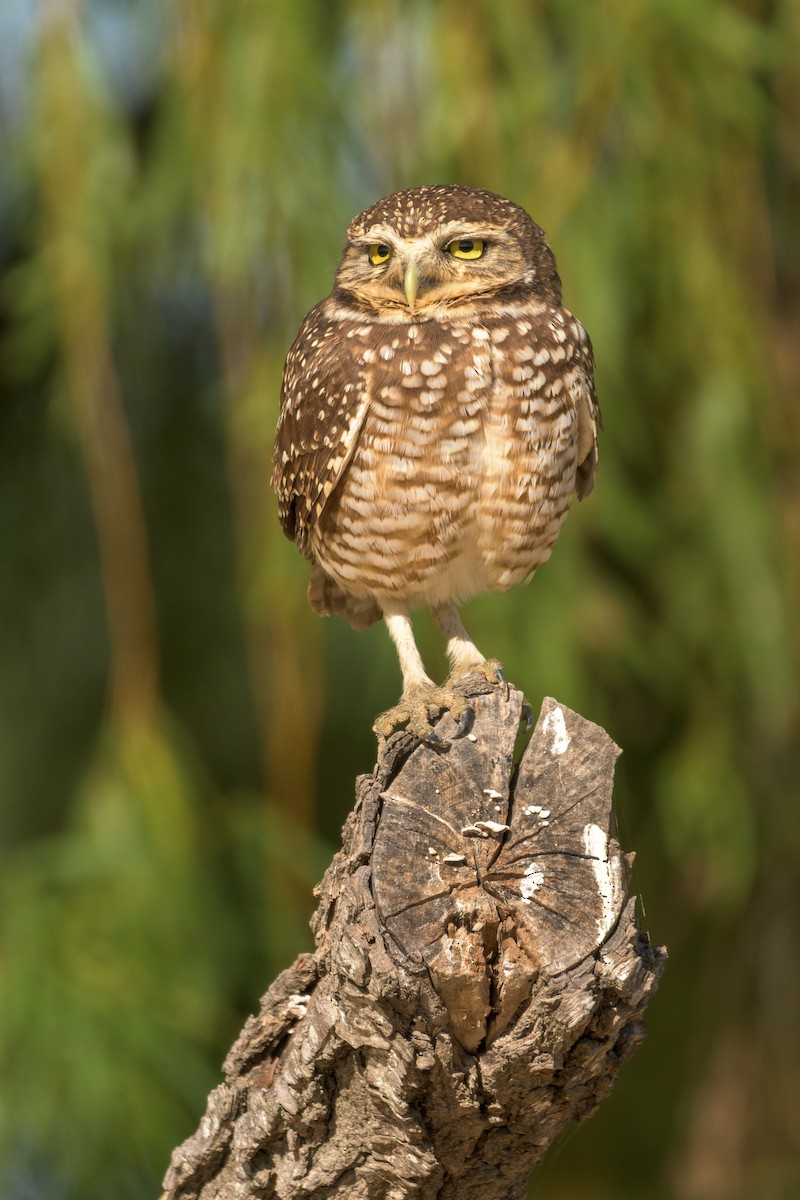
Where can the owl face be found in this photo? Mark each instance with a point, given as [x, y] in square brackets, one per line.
[441, 248]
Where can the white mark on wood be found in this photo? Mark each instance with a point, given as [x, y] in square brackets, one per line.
[606, 873]
[455, 860]
[554, 723]
[472, 737]
[532, 880]
[536, 810]
[432, 851]
[493, 827]
[493, 794]
[297, 1005]
[473, 831]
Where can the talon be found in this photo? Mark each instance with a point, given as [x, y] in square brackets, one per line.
[480, 677]
[431, 738]
[492, 671]
[465, 720]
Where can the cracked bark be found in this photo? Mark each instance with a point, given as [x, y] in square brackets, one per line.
[478, 981]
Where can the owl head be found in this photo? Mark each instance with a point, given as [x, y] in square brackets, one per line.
[444, 248]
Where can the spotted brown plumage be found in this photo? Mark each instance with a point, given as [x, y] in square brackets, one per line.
[437, 414]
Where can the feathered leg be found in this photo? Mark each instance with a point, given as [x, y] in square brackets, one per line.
[420, 693]
[464, 655]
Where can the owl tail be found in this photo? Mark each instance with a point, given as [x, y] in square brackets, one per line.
[326, 597]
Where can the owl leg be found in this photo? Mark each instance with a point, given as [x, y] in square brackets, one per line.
[464, 655]
[420, 694]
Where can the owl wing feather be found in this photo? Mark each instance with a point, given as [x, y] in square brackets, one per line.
[324, 400]
[589, 417]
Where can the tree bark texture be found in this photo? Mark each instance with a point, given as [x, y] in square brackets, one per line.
[478, 981]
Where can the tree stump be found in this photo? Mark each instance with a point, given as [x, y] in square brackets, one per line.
[478, 981]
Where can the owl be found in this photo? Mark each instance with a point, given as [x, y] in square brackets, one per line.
[438, 412]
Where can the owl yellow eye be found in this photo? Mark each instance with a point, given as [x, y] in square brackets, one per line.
[467, 247]
[379, 253]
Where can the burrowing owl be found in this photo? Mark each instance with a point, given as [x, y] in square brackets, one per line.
[437, 413]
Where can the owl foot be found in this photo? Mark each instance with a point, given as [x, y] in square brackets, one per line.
[480, 677]
[420, 706]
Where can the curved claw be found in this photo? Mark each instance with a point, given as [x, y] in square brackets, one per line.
[480, 678]
[464, 723]
[492, 671]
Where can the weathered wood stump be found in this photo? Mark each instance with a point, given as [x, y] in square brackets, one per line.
[478, 980]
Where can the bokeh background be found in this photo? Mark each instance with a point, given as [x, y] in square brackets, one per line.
[179, 732]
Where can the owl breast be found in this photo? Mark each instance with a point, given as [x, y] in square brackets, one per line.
[465, 462]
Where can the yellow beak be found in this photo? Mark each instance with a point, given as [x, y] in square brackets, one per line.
[411, 283]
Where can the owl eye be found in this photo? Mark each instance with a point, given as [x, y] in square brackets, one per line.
[467, 248]
[379, 253]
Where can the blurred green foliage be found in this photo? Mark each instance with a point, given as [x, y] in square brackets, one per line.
[179, 733]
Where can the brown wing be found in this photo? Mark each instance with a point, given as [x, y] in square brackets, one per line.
[589, 418]
[323, 404]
